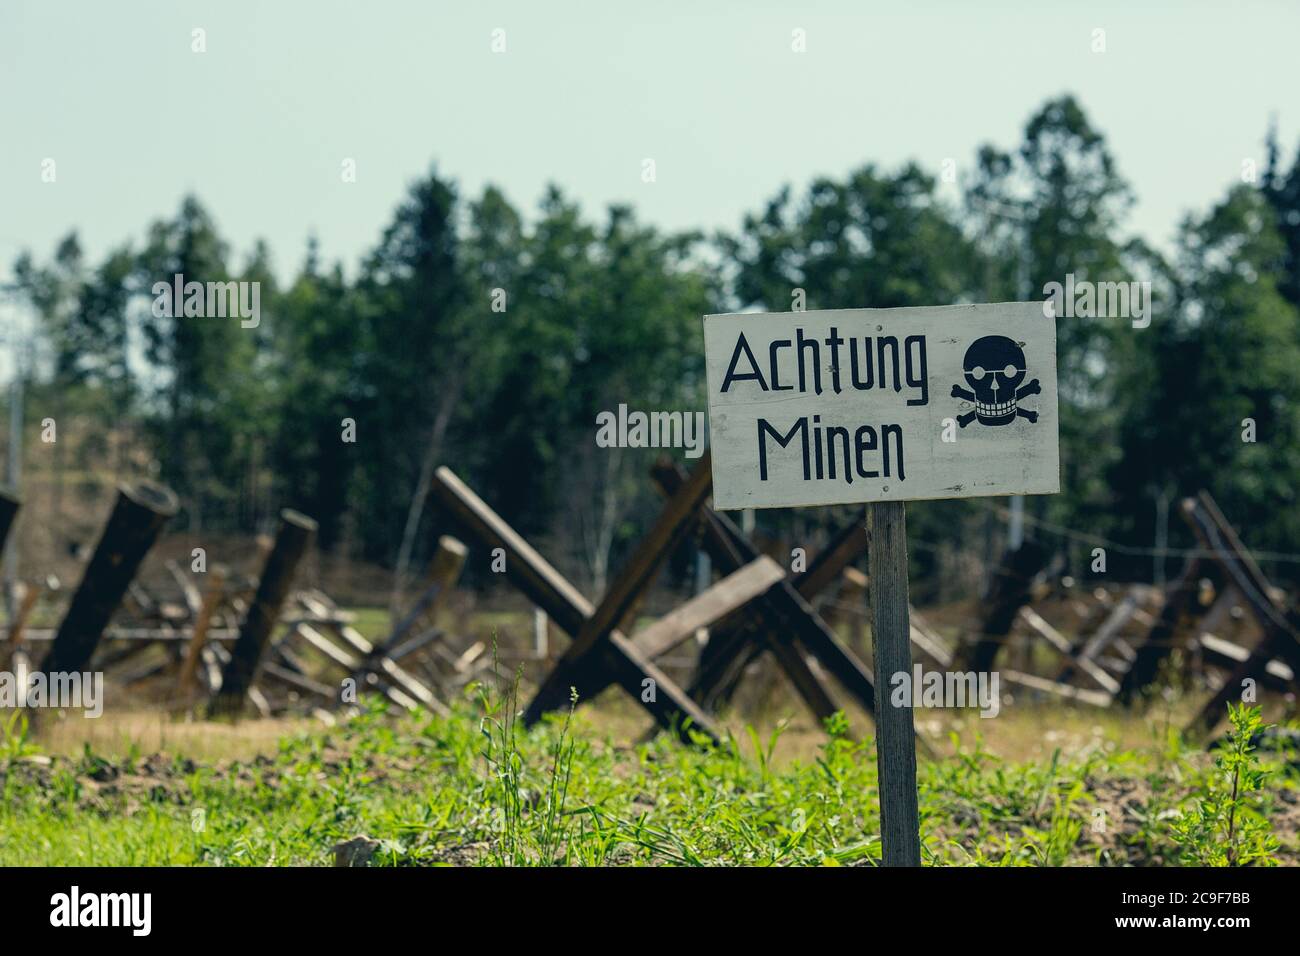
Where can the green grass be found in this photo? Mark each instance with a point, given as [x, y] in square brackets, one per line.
[479, 789]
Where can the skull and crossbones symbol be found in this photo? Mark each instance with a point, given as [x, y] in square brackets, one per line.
[994, 367]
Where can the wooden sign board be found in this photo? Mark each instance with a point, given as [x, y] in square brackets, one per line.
[859, 405]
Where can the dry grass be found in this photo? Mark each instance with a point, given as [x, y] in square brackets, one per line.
[118, 733]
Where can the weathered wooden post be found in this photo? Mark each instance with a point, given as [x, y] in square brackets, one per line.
[886, 406]
[1007, 594]
[541, 634]
[138, 516]
[1280, 624]
[444, 570]
[900, 833]
[27, 597]
[9, 505]
[291, 543]
[853, 596]
[447, 563]
[202, 621]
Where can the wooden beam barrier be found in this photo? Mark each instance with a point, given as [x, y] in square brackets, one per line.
[448, 561]
[29, 595]
[566, 606]
[763, 628]
[202, 622]
[1221, 653]
[9, 505]
[1084, 657]
[722, 670]
[629, 586]
[708, 607]
[1008, 593]
[291, 543]
[928, 640]
[1182, 604]
[787, 618]
[444, 570]
[1067, 691]
[1281, 626]
[853, 598]
[373, 661]
[138, 516]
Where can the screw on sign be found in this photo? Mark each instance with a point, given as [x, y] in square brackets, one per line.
[865, 416]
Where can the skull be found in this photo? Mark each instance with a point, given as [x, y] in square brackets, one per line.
[994, 367]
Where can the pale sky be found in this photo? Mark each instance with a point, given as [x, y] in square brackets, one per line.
[259, 125]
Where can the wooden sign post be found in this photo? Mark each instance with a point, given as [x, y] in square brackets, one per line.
[900, 835]
[884, 406]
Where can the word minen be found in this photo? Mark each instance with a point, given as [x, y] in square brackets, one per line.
[818, 446]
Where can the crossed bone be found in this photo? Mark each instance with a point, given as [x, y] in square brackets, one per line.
[1031, 388]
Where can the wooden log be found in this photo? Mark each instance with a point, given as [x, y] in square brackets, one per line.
[138, 516]
[215, 658]
[9, 505]
[892, 648]
[467, 657]
[260, 703]
[565, 605]
[135, 635]
[410, 685]
[853, 598]
[1095, 644]
[1181, 604]
[31, 593]
[708, 607]
[1084, 656]
[327, 647]
[352, 665]
[202, 624]
[764, 628]
[377, 663]
[1264, 601]
[291, 543]
[444, 570]
[297, 681]
[844, 548]
[525, 567]
[1222, 653]
[1059, 641]
[631, 583]
[926, 639]
[1068, 691]
[190, 593]
[541, 635]
[785, 617]
[447, 563]
[1281, 626]
[416, 642]
[834, 560]
[1008, 593]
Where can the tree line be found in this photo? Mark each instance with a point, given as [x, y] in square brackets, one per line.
[480, 337]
